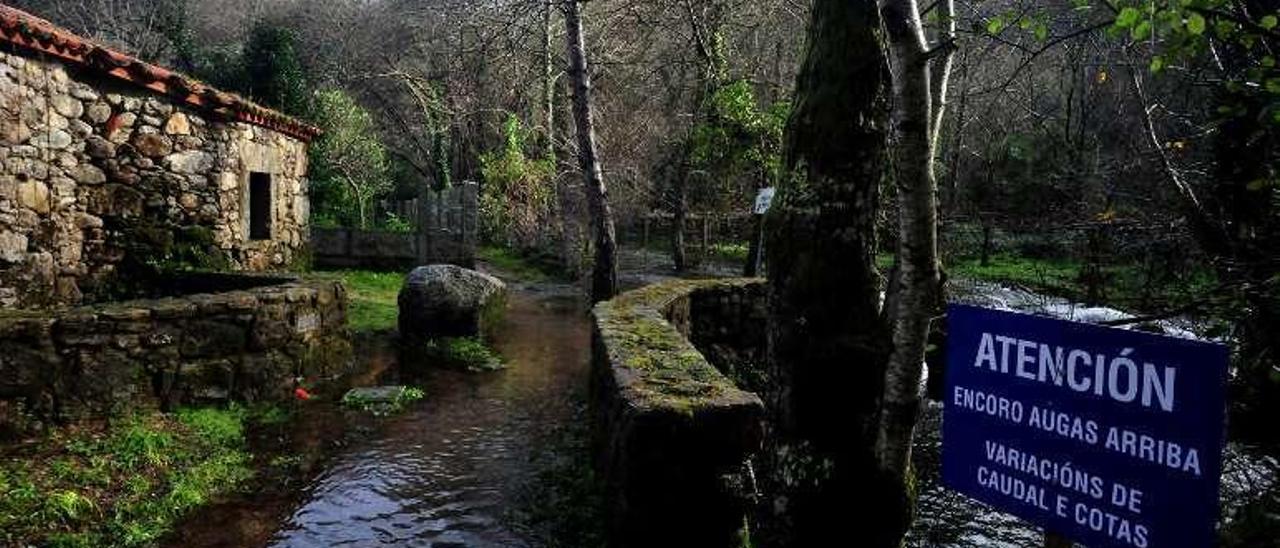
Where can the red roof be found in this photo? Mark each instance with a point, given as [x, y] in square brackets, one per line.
[28, 31]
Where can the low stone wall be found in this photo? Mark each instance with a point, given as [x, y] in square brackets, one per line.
[673, 433]
[248, 344]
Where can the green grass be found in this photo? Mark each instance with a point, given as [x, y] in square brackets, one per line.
[1043, 274]
[122, 484]
[371, 298]
[514, 264]
[730, 252]
[470, 353]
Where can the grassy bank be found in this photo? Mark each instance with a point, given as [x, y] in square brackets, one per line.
[512, 263]
[371, 298]
[372, 294]
[120, 484]
[1127, 287]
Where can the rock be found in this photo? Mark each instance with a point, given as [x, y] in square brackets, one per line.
[54, 120]
[68, 106]
[178, 125]
[126, 119]
[83, 92]
[85, 220]
[13, 247]
[34, 195]
[449, 301]
[14, 132]
[381, 400]
[87, 174]
[152, 145]
[56, 139]
[191, 161]
[80, 129]
[97, 147]
[98, 113]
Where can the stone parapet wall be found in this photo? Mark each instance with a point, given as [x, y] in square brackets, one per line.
[94, 171]
[245, 345]
[672, 433]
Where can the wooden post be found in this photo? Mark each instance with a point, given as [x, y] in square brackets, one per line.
[1054, 540]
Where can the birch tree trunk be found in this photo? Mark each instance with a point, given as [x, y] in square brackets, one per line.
[549, 84]
[827, 338]
[604, 277]
[918, 107]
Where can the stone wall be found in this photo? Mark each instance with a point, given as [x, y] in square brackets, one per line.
[96, 173]
[445, 232]
[728, 323]
[247, 344]
[672, 433]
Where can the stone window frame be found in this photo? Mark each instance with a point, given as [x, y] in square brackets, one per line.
[262, 159]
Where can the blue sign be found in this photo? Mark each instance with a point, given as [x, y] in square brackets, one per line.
[1106, 436]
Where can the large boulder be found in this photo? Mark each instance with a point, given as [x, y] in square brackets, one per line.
[449, 301]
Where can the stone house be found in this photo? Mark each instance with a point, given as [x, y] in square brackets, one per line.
[108, 162]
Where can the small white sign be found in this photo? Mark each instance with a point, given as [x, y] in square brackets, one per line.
[307, 323]
[763, 200]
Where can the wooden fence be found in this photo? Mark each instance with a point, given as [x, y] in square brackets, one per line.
[444, 232]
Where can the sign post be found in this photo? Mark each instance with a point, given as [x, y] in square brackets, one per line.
[1101, 436]
[755, 254]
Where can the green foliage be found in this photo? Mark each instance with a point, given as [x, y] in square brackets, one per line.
[738, 148]
[273, 71]
[1183, 31]
[470, 353]
[396, 223]
[349, 165]
[403, 396]
[124, 485]
[518, 194]
[1035, 24]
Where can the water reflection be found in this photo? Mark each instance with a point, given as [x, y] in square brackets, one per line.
[444, 474]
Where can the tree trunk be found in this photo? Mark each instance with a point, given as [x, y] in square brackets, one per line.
[827, 337]
[604, 277]
[680, 213]
[916, 284]
[549, 85]
[360, 201]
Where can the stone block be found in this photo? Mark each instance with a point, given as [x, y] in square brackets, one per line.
[152, 145]
[34, 195]
[88, 174]
[177, 124]
[13, 247]
[191, 161]
[449, 301]
[669, 428]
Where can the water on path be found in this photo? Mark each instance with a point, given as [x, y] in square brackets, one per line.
[446, 472]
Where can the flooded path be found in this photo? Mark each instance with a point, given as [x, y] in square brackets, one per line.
[448, 471]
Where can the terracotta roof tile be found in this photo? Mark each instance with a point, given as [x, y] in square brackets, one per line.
[33, 33]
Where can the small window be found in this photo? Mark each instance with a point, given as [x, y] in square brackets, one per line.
[259, 206]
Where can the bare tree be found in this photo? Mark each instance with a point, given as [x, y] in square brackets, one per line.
[919, 73]
[604, 277]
